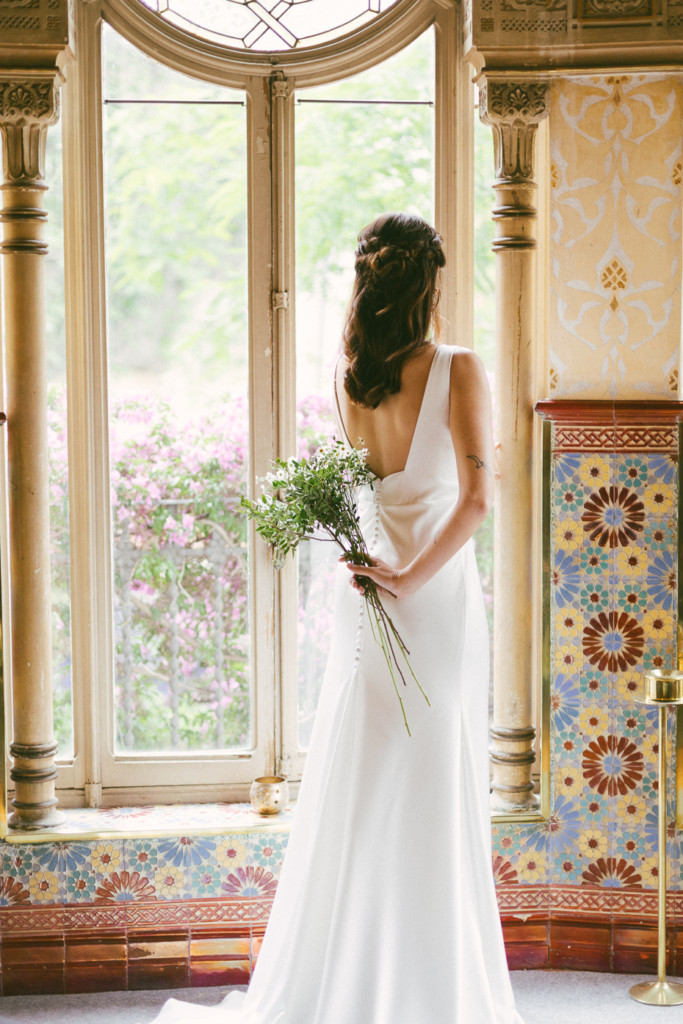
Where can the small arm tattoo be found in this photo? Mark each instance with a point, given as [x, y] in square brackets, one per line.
[479, 463]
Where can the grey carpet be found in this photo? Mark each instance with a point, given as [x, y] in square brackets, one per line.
[543, 997]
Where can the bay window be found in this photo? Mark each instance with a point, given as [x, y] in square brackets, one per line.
[219, 162]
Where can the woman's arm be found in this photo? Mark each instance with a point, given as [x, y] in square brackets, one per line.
[470, 423]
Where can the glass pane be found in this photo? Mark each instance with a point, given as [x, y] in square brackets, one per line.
[175, 161]
[385, 118]
[270, 24]
[484, 327]
[57, 450]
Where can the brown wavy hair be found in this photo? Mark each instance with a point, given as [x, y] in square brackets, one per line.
[392, 306]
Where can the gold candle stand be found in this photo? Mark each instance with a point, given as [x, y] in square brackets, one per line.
[661, 689]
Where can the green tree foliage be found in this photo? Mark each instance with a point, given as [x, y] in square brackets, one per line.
[176, 218]
[355, 160]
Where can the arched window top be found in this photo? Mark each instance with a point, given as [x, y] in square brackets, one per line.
[268, 26]
[228, 41]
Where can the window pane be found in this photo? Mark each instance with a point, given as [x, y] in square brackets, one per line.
[175, 162]
[271, 24]
[57, 450]
[363, 146]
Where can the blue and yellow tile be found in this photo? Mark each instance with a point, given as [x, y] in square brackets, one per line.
[232, 851]
[142, 854]
[632, 472]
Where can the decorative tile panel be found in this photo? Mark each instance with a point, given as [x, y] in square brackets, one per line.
[613, 615]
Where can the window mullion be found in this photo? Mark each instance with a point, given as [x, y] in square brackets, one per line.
[91, 567]
[283, 313]
[454, 173]
[263, 349]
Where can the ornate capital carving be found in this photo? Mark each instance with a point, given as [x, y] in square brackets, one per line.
[28, 106]
[515, 102]
[33, 101]
[514, 111]
[280, 86]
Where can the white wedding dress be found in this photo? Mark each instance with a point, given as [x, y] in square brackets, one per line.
[386, 910]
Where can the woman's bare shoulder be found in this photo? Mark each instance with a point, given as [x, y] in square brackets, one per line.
[465, 365]
[460, 351]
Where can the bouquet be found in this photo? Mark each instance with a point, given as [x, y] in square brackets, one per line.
[303, 497]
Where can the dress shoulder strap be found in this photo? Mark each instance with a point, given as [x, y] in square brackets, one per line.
[337, 406]
[438, 387]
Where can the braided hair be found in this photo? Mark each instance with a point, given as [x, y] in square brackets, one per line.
[392, 306]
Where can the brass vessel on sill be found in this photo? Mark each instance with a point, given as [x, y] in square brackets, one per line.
[269, 794]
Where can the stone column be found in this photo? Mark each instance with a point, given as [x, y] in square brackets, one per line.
[514, 109]
[28, 106]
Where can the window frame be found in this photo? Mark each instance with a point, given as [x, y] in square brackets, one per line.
[95, 772]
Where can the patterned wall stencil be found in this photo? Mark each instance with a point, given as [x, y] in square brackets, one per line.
[616, 171]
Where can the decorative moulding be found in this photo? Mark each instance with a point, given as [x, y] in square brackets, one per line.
[573, 35]
[596, 411]
[598, 426]
[33, 33]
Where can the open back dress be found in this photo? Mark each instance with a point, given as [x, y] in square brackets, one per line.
[386, 909]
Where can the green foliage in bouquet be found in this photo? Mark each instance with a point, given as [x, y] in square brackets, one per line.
[304, 498]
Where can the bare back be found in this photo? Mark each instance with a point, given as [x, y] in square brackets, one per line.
[387, 431]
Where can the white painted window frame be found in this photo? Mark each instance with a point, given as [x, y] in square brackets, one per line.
[95, 771]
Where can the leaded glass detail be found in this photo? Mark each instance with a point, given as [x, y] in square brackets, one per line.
[267, 25]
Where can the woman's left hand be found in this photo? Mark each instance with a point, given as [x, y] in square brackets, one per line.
[389, 581]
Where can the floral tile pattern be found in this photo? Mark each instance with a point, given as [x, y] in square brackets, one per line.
[613, 616]
[268, 852]
[135, 869]
[107, 857]
[124, 886]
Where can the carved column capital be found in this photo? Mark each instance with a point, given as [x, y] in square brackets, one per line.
[280, 86]
[29, 104]
[514, 109]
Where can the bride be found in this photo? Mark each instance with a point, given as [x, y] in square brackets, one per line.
[386, 909]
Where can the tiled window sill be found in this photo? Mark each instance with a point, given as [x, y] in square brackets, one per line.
[162, 820]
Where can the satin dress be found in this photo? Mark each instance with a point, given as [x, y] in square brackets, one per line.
[386, 909]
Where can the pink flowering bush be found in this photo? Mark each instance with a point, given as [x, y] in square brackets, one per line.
[180, 577]
[180, 573]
